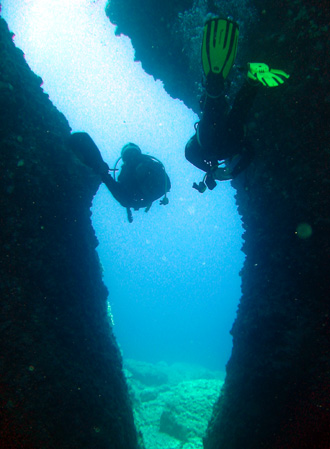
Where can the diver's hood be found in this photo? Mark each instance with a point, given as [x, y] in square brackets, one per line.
[130, 149]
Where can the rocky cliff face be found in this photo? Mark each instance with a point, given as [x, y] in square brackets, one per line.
[276, 393]
[167, 38]
[61, 381]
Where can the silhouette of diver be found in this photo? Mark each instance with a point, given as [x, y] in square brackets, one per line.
[220, 146]
[142, 178]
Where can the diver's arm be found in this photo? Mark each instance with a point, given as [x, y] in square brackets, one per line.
[116, 189]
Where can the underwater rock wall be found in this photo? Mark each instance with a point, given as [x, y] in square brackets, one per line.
[61, 380]
[167, 36]
[154, 34]
[277, 388]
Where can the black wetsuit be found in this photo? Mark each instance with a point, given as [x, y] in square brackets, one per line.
[221, 136]
[139, 183]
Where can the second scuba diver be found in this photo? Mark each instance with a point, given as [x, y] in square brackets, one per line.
[220, 146]
[142, 178]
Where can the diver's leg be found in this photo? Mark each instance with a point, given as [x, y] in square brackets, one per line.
[212, 124]
[219, 47]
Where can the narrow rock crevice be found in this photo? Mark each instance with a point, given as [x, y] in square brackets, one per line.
[276, 393]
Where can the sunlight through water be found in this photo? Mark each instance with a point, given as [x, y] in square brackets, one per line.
[172, 274]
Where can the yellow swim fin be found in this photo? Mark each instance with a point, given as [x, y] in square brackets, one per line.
[262, 73]
[219, 50]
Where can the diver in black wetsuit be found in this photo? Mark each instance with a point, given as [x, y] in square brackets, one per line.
[220, 146]
[142, 178]
[221, 137]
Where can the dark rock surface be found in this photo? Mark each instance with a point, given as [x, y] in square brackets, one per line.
[278, 379]
[167, 38]
[277, 392]
[61, 381]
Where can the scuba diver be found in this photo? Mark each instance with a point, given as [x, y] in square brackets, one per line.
[220, 146]
[142, 178]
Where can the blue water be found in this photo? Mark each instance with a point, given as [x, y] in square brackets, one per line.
[172, 274]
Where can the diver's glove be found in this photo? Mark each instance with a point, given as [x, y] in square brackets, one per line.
[201, 187]
[260, 72]
[164, 201]
[216, 173]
